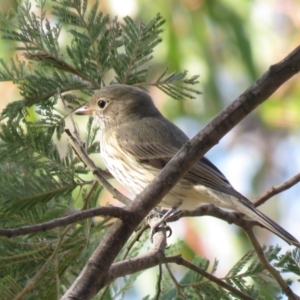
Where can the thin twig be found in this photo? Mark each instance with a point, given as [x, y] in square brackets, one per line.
[213, 211]
[142, 262]
[263, 260]
[103, 296]
[178, 286]
[88, 195]
[75, 129]
[31, 283]
[78, 147]
[156, 256]
[111, 211]
[158, 284]
[135, 239]
[180, 261]
[277, 189]
[128, 248]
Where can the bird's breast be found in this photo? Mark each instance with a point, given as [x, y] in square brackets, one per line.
[130, 172]
[136, 175]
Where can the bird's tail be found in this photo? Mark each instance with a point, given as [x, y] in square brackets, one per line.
[245, 206]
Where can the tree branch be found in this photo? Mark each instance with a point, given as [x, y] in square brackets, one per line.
[156, 257]
[178, 286]
[180, 261]
[276, 190]
[158, 284]
[247, 225]
[263, 260]
[213, 211]
[95, 273]
[78, 147]
[100, 175]
[111, 211]
[146, 261]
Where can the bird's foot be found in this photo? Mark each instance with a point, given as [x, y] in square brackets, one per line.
[160, 224]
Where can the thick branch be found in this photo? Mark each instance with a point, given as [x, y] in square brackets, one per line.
[149, 260]
[156, 257]
[94, 275]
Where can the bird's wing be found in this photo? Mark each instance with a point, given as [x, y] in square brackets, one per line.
[162, 141]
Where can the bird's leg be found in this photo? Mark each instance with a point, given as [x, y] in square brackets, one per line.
[168, 213]
[162, 220]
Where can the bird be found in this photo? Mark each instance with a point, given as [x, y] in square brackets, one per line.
[137, 141]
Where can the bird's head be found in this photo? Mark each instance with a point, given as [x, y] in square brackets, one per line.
[117, 104]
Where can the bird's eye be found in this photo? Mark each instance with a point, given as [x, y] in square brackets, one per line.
[101, 104]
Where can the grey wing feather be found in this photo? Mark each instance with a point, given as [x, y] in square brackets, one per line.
[162, 141]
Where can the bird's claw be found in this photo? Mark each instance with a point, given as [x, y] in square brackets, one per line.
[159, 227]
[157, 221]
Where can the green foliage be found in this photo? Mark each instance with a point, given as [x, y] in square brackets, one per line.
[247, 275]
[166, 84]
[40, 181]
[98, 45]
[46, 261]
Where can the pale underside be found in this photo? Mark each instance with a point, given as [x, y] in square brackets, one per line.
[185, 195]
[136, 163]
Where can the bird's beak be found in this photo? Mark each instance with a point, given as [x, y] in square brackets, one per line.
[84, 110]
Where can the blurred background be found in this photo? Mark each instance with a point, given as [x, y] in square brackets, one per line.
[230, 46]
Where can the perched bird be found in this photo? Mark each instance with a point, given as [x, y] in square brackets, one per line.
[137, 141]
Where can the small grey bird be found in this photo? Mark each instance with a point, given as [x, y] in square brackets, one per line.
[137, 142]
